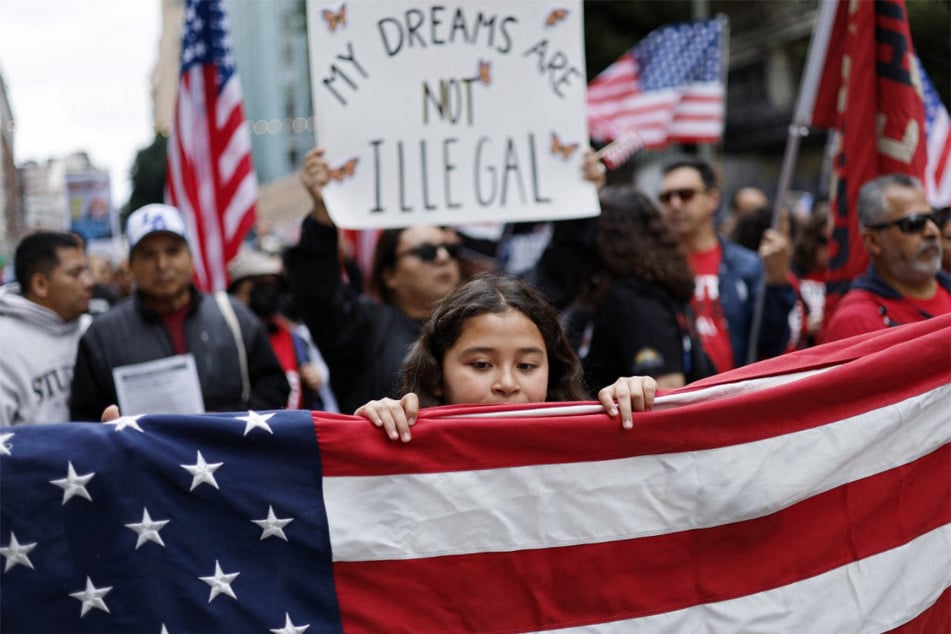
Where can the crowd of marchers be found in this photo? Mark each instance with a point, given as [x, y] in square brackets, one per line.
[655, 292]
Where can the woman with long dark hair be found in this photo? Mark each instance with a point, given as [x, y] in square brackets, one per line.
[640, 292]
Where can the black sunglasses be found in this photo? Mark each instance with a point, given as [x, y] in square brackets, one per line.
[915, 223]
[686, 195]
[428, 252]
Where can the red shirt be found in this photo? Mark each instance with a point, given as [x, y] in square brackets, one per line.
[283, 344]
[862, 311]
[708, 312]
[175, 325]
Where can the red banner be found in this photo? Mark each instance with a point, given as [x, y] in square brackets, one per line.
[870, 94]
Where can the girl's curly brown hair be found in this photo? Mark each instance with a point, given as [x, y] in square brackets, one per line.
[490, 293]
[632, 240]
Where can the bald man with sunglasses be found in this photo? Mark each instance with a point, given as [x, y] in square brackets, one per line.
[904, 282]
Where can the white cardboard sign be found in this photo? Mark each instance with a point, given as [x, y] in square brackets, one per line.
[451, 113]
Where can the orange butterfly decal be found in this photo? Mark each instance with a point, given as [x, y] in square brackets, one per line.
[344, 171]
[485, 72]
[557, 147]
[556, 16]
[335, 19]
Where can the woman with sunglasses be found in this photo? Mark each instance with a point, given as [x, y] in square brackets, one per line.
[364, 341]
[904, 282]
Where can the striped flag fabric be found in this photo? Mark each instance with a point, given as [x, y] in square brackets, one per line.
[209, 174]
[806, 493]
[937, 179]
[668, 88]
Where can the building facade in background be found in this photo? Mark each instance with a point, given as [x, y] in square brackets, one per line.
[9, 188]
[52, 189]
[270, 48]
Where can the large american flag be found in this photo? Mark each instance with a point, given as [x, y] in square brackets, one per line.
[668, 88]
[808, 493]
[937, 179]
[209, 174]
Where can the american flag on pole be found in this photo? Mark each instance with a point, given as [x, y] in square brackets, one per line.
[937, 179]
[209, 174]
[668, 88]
[806, 493]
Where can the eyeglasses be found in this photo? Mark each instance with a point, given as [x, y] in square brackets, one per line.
[685, 195]
[915, 223]
[428, 252]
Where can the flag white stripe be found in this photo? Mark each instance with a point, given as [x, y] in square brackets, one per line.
[695, 128]
[937, 144]
[699, 108]
[238, 148]
[591, 502]
[876, 594]
[228, 99]
[243, 198]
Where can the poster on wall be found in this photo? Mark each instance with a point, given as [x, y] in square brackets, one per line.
[450, 113]
[89, 196]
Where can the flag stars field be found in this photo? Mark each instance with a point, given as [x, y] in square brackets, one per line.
[126, 422]
[4, 447]
[220, 582]
[74, 484]
[256, 421]
[202, 472]
[16, 553]
[91, 597]
[148, 529]
[272, 525]
[289, 627]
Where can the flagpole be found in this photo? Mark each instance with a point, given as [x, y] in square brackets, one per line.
[798, 129]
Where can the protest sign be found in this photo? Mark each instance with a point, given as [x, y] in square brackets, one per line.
[90, 204]
[442, 114]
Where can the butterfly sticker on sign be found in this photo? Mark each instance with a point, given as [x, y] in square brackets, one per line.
[556, 16]
[344, 171]
[563, 149]
[335, 17]
[449, 110]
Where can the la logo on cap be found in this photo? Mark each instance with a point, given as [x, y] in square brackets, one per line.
[155, 221]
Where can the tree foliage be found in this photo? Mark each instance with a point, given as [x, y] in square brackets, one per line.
[148, 177]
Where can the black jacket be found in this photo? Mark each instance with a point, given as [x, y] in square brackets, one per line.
[639, 329]
[129, 333]
[363, 342]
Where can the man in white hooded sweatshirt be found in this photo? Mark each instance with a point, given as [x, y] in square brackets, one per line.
[42, 316]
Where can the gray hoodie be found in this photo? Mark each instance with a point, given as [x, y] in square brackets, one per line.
[37, 355]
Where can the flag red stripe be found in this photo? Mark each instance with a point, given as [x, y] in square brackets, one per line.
[887, 377]
[631, 578]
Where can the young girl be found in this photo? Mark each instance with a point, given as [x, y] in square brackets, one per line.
[496, 340]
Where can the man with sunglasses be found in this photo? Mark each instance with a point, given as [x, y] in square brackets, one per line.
[904, 282]
[727, 276]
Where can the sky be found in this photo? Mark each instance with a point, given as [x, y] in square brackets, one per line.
[77, 76]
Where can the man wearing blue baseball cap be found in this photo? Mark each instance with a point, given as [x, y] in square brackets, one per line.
[211, 343]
